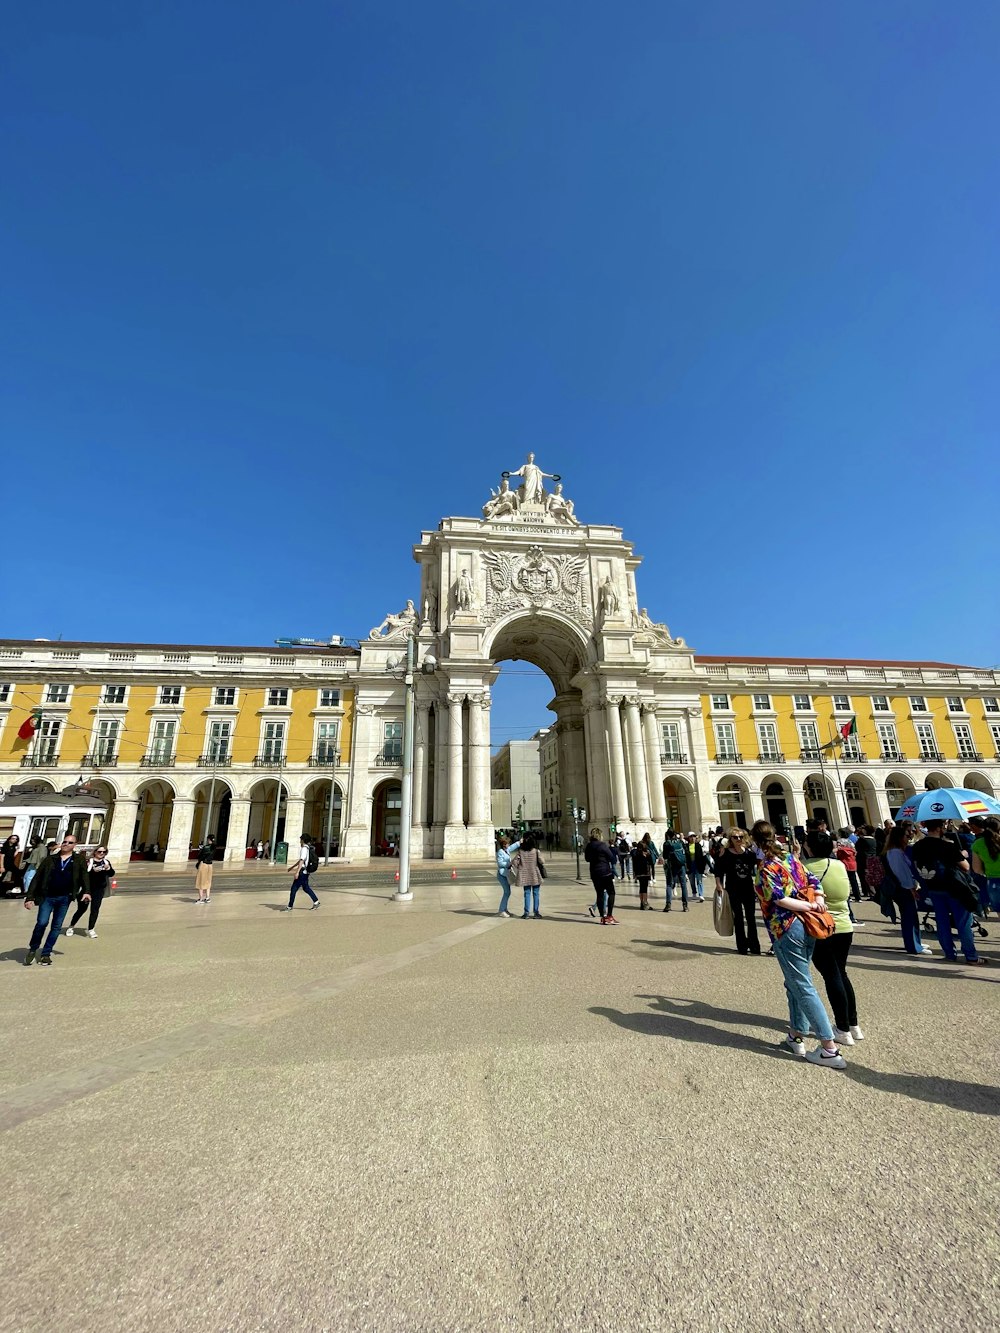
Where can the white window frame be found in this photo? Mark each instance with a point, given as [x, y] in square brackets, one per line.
[964, 740]
[918, 704]
[234, 690]
[725, 732]
[995, 733]
[225, 753]
[50, 733]
[277, 703]
[321, 742]
[928, 728]
[955, 699]
[764, 707]
[768, 746]
[724, 707]
[154, 750]
[114, 703]
[171, 703]
[808, 738]
[5, 688]
[845, 707]
[888, 742]
[852, 748]
[881, 704]
[328, 689]
[670, 740]
[395, 739]
[990, 704]
[58, 685]
[278, 728]
[798, 707]
[99, 747]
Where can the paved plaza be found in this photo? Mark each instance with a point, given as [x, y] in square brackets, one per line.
[423, 1117]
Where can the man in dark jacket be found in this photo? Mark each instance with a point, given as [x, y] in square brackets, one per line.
[61, 877]
[601, 859]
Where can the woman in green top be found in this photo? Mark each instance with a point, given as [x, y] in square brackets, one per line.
[830, 955]
[986, 859]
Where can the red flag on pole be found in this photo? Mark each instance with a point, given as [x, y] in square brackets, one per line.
[29, 726]
[849, 728]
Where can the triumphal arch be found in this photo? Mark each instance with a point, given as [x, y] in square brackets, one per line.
[529, 579]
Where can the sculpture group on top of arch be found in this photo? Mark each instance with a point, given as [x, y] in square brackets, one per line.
[531, 499]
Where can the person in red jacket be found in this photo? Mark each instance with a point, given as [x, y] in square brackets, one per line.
[843, 850]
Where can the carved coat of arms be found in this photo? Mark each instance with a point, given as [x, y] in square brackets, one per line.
[533, 578]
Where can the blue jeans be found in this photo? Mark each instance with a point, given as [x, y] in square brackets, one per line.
[50, 910]
[992, 893]
[530, 893]
[946, 911]
[301, 881]
[697, 882]
[29, 875]
[505, 885]
[909, 920]
[679, 876]
[794, 951]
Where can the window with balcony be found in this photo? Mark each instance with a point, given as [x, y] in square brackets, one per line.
[105, 749]
[767, 740]
[841, 703]
[45, 749]
[809, 740]
[852, 749]
[995, 733]
[219, 741]
[725, 741]
[880, 704]
[720, 702]
[171, 694]
[161, 742]
[672, 752]
[326, 743]
[277, 698]
[392, 743]
[225, 696]
[272, 742]
[802, 703]
[888, 741]
[57, 694]
[955, 705]
[762, 703]
[927, 741]
[963, 737]
[114, 694]
[918, 704]
[329, 698]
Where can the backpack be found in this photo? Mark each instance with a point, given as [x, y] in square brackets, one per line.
[312, 859]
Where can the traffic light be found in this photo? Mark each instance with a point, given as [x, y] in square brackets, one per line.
[614, 827]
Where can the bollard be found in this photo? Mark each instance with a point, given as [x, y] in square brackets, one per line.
[454, 873]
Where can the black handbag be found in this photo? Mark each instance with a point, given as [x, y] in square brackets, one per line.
[963, 890]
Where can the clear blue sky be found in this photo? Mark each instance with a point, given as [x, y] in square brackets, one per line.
[284, 284]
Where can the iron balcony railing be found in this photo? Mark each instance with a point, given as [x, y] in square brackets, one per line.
[38, 761]
[771, 757]
[158, 760]
[215, 760]
[972, 755]
[727, 758]
[388, 759]
[269, 761]
[809, 756]
[931, 756]
[892, 756]
[99, 761]
[673, 757]
[328, 759]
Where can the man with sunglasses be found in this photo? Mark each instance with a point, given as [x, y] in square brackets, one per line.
[61, 877]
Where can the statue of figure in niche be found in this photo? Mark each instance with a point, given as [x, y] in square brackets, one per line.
[465, 593]
[607, 597]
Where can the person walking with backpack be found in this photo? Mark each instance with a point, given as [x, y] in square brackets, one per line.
[61, 878]
[674, 857]
[206, 867]
[307, 863]
[528, 867]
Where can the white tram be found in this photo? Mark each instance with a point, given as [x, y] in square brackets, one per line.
[30, 809]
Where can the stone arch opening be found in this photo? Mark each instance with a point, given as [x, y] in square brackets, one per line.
[153, 819]
[316, 816]
[979, 782]
[859, 791]
[265, 796]
[212, 808]
[734, 802]
[679, 796]
[934, 780]
[818, 803]
[106, 792]
[778, 803]
[899, 788]
[387, 804]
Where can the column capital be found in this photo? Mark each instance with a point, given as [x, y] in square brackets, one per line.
[455, 697]
[632, 700]
[649, 709]
[612, 700]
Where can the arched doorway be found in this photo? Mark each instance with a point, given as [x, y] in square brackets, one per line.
[817, 798]
[979, 782]
[212, 803]
[387, 803]
[861, 805]
[934, 780]
[898, 789]
[316, 816]
[734, 802]
[104, 790]
[262, 826]
[777, 804]
[678, 793]
[153, 818]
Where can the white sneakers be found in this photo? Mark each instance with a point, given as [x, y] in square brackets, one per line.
[71, 931]
[828, 1059]
[794, 1044]
[857, 1034]
[92, 934]
[843, 1036]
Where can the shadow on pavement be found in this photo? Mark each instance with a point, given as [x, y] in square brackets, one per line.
[685, 1008]
[979, 1098]
[684, 946]
[685, 1029]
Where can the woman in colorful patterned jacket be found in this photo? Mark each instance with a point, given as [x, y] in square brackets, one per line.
[787, 892]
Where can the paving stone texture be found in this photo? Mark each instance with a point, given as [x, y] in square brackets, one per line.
[380, 1116]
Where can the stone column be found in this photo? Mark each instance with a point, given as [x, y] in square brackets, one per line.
[239, 827]
[420, 765]
[356, 834]
[179, 840]
[455, 766]
[479, 759]
[616, 756]
[599, 807]
[654, 776]
[295, 811]
[636, 763]
[119, 838]
[440, 774]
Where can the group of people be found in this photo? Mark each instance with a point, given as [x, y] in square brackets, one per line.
[56, 877]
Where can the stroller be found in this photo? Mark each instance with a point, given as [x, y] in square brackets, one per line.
[928, 925]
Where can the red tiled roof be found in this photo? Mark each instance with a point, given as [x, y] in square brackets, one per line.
[831, 661]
